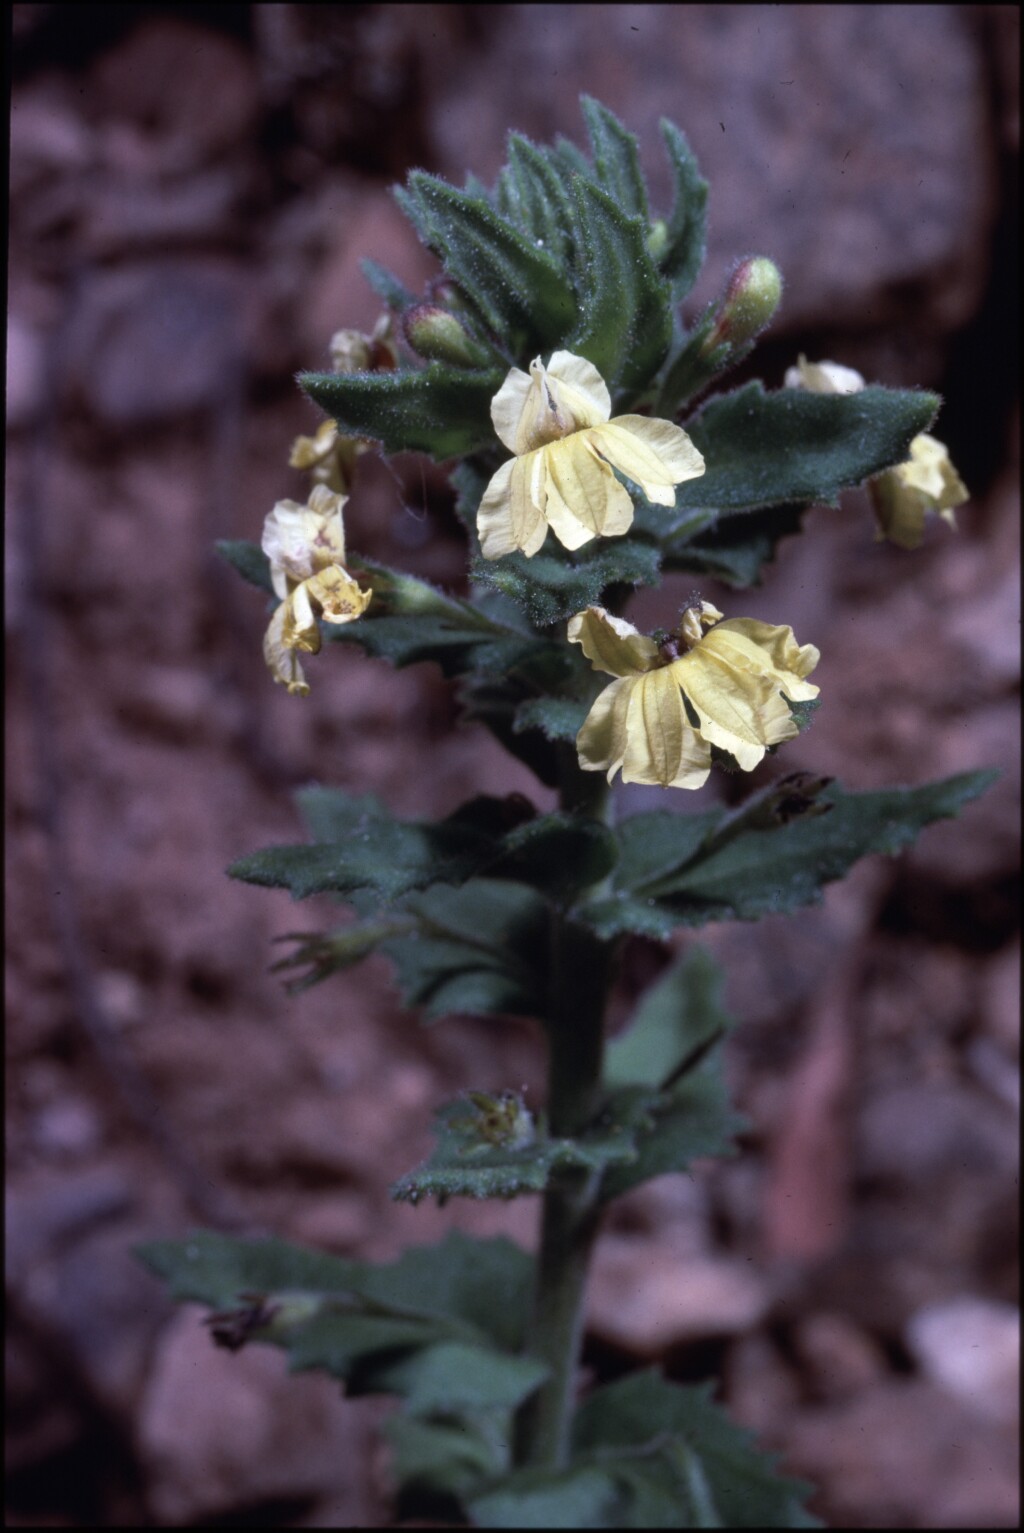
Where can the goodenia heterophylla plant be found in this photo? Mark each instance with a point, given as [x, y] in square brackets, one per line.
[550, 365]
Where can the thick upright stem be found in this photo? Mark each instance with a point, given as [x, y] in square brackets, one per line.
[578, 990]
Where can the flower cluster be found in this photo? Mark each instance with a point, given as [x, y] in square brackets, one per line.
[902, 497]
[722, 683]
[306, 549]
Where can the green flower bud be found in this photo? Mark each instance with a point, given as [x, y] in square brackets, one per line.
[438, 335]
[657, 239]
[751, 298]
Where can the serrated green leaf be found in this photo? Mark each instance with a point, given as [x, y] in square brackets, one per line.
[465, 1164]
[625, 320]
[558, 853]
[553, 586]
[686, 230]
[644, 1409]
[249, 560]
[437, 409]
[457, 647]
[454, 1376]
[557, 718]
[386, 285]
[540, 197]
[583, 1497]
[616, 158]
[686, 1123]
[520, 290]
[791, 446]
[736, 549]
[671, 870]
[373, 851]
[676, 1019]
[443, 1458]
[480, 949]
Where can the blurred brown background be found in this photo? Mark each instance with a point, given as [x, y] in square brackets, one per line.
[192, 188]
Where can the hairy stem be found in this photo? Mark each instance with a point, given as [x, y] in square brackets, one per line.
[579, 968]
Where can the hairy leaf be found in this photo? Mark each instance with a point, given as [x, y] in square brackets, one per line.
[675, 1021]
[793, 446]
[672, 871]
[740, 1481]
[249, 560]
[554, 585]
[686, 230]
[437, 409]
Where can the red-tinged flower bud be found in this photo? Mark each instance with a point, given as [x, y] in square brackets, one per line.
[439, 336]
[751, 298]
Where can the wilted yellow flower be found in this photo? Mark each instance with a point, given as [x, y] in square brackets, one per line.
[555, 420]
[328, 456]
[306, 549]
[901, 497]
[726, 686]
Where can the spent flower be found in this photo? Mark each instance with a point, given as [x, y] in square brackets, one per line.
[555, 419]
[723, 683]
[306, 549]
[902, 497]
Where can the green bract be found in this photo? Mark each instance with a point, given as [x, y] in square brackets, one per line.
[500, 908]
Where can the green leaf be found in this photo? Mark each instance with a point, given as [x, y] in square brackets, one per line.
[625, 321]
[458, 646]
[437, 409]
[691, 1120]
[249, 560]
[559, 853]
[677, 1018]
[467, 1164]
[686, 232]
[736, 1478]
[557, 718]
[737, 548]
[538, 197]
[616, 159]
[555, 585]
[335, 1313]
[442, 1458]
[455, 1376]
[583, 1497]
[480, 949]
[369, 850]
[678, 870]
[793, 446]
[521, 291]
[386, 285]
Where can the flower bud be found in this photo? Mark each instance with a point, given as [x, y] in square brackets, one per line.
[657, 239]
[438, 335]
[751, 298]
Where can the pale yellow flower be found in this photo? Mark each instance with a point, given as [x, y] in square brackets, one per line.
[659, 718]
[328, 457]
[306, 549]
[927, 483]
[823, 377]
[555, 420]
[901, 497]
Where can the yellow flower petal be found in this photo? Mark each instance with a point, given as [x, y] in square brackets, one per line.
[601, 743]
[281, 659]
[653, 453]
[299, 540]
[531, 409]
[582, 499]
[300, 629]
[663, 749]
[739, 711]
[339, 597]
[926, 484]
[767, 650]
[611, 644]
[510, 516]
[823, 377]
